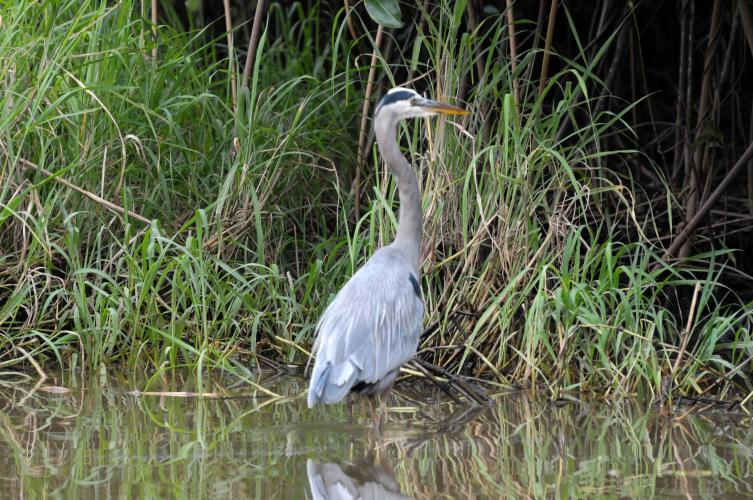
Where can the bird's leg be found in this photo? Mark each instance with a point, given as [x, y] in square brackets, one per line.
[368, 401]
[382, 405]
[350, 410]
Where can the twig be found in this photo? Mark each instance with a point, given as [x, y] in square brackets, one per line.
[230, 54]
[728, 376]
[364, 122]
[457, 381]
[253, 43]
[433, 380]
[99, 200]
[548, 45]
[704, 401]
[691, 226]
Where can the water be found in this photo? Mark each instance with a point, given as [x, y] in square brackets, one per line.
[98, 440]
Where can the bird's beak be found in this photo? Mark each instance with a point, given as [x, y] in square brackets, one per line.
[440, 107]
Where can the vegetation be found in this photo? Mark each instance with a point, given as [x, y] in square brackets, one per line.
[157, 213]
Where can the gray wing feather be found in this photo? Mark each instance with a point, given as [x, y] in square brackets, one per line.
[370, 329]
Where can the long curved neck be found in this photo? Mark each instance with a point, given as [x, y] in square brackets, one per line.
[410, 224]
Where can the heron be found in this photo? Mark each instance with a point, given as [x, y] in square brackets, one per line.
[363, 480]
[373, 325]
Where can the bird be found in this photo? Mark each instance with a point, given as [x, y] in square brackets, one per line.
[363, 480]
[373, 325]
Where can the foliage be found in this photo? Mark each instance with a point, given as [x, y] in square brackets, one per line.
[537, 267]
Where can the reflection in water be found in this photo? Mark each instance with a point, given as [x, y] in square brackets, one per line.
[363, 480]
[99, 441]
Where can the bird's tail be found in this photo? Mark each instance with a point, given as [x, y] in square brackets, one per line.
[317, 384]
[330, 383]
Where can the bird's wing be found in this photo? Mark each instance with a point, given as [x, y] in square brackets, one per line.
[370, 329]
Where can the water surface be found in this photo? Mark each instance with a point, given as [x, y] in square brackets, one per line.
[101, 440]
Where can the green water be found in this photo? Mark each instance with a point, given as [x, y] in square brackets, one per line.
[100, 441]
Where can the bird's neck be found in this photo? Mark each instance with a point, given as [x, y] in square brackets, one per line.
[410, 224]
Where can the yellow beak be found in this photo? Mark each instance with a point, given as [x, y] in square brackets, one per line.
[440, 107]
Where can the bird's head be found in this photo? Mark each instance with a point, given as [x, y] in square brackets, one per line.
[400, 103]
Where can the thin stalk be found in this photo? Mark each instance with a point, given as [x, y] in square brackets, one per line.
[686, 331]
[548, 45]
[253, 43]
[154, 28]
[365, 121]
[349, 20]
[513, 50]
[230, 53]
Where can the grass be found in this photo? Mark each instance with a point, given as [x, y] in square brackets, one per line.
[537, 269]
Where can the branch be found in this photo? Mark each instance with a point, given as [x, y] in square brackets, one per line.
[690, 228]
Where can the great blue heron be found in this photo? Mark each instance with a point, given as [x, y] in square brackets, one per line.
[363, 480]
[373, 325]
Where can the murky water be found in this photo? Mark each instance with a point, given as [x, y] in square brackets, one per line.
[99, 440]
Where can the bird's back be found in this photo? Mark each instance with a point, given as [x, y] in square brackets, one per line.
[369, 330]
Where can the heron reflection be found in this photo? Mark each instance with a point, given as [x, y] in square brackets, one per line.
[362, 480]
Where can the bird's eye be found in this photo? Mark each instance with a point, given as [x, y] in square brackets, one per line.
[413, 101]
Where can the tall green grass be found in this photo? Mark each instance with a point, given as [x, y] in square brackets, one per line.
[535, 268]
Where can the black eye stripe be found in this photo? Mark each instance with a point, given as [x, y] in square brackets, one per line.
[400, 95]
